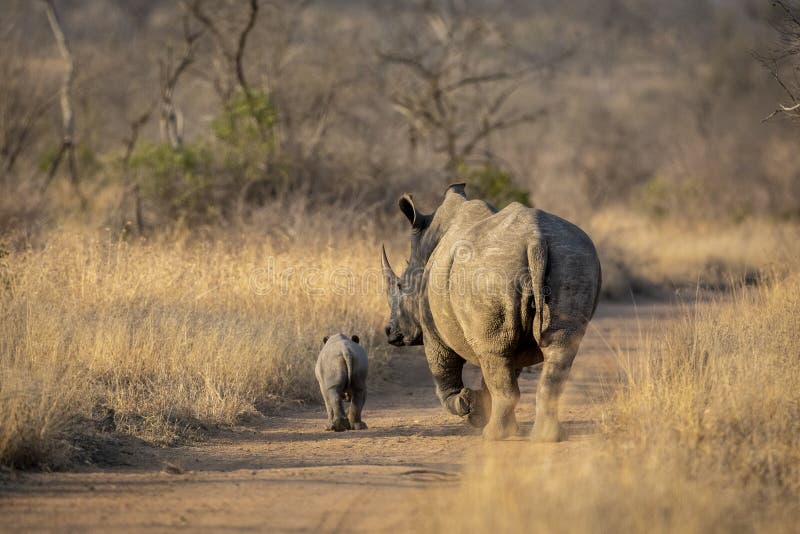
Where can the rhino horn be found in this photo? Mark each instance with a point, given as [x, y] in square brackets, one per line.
[388, 273]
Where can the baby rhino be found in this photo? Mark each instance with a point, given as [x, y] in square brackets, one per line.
[342, 375]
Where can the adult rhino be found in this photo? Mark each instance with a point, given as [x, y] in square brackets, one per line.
[499, 289]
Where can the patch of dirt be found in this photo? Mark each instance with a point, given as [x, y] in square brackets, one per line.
[101, 449]
[285, 473]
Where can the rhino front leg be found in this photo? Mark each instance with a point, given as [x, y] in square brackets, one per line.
[557, 364]
[501, 379]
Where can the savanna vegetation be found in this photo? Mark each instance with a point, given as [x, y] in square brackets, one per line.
[166, 337]
[703, 436]
[192, 193]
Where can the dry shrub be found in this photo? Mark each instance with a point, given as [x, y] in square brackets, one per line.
[721, 387]
[623, 276]
[171, 334]
[704, 437]
[39, 401]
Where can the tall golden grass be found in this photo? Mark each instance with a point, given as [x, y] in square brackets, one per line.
[704, 436]
[641, 254]
[181, 331]
[172, 334]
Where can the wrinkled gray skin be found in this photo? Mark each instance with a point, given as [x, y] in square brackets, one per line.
[502, 290]
[342, 375]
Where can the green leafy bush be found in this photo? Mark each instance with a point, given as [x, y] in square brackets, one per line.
[177, 182]
[87, 159]
[493, 184]
[246, 131]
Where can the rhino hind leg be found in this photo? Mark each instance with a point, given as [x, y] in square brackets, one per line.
[501, 380]
[336, 416]
[354, 413]
[558, 360]
[328, 409]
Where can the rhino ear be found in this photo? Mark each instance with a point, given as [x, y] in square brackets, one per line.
[324, 340]
[458, 189]
[406, 204]
[355, 338]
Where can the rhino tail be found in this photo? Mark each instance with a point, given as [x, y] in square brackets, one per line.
[537, 266]
[348, 362]
[599, 288]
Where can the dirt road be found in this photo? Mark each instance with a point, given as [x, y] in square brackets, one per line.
[286, 474]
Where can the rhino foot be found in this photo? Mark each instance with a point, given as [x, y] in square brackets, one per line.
[340, 425]
[546, 432]
[480, 409]
[359, 425]
[477, 419]
[499, 432]
[460, 403]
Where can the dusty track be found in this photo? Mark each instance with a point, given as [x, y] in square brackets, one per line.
[287, 474]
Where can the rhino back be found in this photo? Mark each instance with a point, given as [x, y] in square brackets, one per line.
[332, 369]
[343, 360]
[479, 280]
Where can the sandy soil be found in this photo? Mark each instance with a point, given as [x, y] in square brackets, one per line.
[285, 474]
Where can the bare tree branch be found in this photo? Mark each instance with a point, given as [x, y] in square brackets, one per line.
[232, 55]
[456, 86]
[67, 116]
[787, 49]
[131, 189]
[251, 21]
[479, 79]
[196, 9]
[171, 119]
[787, 10]
[490, 127]
[135, 126]
[408, 61]
[21, 107]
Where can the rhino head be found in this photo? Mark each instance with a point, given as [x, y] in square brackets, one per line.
[404, 292]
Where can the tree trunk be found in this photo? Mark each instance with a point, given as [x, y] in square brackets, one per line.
[65, 99]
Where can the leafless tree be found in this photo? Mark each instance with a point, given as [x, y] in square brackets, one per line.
[301, 121]
[170, 69]
[454, 80]
[230, 64]
[22, 103]
[300, 128]
[283, 20]
[785, 56]
[67, 116]
[131, 188]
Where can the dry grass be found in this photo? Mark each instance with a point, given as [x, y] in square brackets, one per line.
[641, 254]
[179, 332]
[704, 437]
[170, 334]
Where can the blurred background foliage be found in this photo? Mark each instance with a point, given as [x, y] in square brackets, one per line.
[217, 112]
